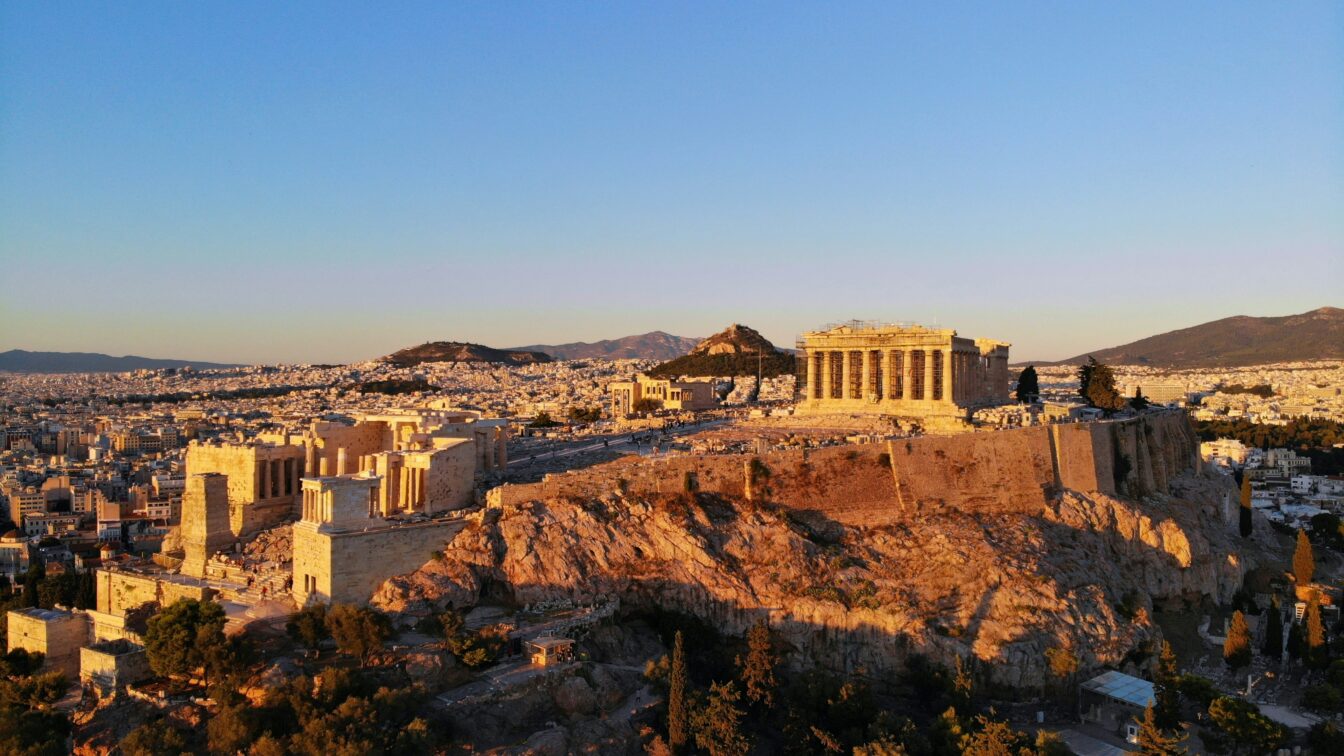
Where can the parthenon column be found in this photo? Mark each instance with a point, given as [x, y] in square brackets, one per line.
[928, 374]
[825, 375]
[341, 461]
[811, 375]
[907, 373]
[846, 375]
[948, 396]
[889, 375]
[868, 369]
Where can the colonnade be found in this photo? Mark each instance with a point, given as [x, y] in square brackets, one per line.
[906, 374]
[278, 477]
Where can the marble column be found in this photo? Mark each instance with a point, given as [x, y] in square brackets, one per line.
[341, 461]
[948, 396]
[907, 373]
[846, 369]
[866, 386]
[826, 375]
[811, 376]
[928, 374]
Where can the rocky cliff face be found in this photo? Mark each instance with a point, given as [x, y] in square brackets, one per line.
[998, 587]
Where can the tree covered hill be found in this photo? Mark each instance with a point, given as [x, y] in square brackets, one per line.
[737, 350]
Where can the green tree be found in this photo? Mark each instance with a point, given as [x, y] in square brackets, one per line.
[993, 738]
[1154, 741]
[178, 638]
[1325, 737]
[1274, 631]
[1099, 389]
[1166, 693]
[646, 405]
[309, 626]
[1245, 507]
[1304, 561]
[676, 697]
[358, 631]
[1245, 725]
[231, 730]
[1063, 666]
[1318, 653]
[585, 414]
[153, 739]
[758, 668]
[542, 420]
[1028, 385]
[1237, 645]
[718, 727]
[1139, 402]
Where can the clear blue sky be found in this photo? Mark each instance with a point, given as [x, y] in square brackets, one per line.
[330, 182]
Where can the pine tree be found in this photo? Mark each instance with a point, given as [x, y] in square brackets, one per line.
[1028, 385]
[1165, 692]
[1318, 654]
[758, 668]
[1304, 561]
[1237, 645]
[1274, 631]
[1085, 376]
[1154, 742]
[1139, 402]
[719, 726]
[676, 697]
[1245, 507]
[1096, 383]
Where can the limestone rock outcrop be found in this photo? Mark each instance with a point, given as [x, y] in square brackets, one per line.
[997, 587]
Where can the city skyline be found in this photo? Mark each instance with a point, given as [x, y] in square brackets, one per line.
[309, 184]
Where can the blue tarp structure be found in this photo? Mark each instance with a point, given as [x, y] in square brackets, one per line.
[1121, 687]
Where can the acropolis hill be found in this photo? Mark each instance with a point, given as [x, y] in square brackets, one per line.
[995, 546]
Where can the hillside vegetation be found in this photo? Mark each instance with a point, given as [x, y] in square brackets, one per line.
[737, 350]
[1235, 341]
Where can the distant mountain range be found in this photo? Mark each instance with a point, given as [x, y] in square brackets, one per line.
[458, 351]
[1235, 342]
[656, 345]
[736, 350]
[22, 361]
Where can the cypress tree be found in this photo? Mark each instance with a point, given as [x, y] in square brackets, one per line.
[1237, 645]
[1085, 376]
[1318, 654]
[1245, 507]
[1165, 692]
[1028, 385]
[1154, 742]
[758, 668]
[1304, 561]
[1274, 631]
[676, 697]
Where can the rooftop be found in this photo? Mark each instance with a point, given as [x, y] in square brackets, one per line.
[1122, 687]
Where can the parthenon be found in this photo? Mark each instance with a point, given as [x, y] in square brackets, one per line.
[907, 371]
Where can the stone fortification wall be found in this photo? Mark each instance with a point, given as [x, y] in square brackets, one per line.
[1017, 470]
[348, 567]
[119, 592]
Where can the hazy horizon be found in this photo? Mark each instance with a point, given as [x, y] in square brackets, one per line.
[311, 183]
